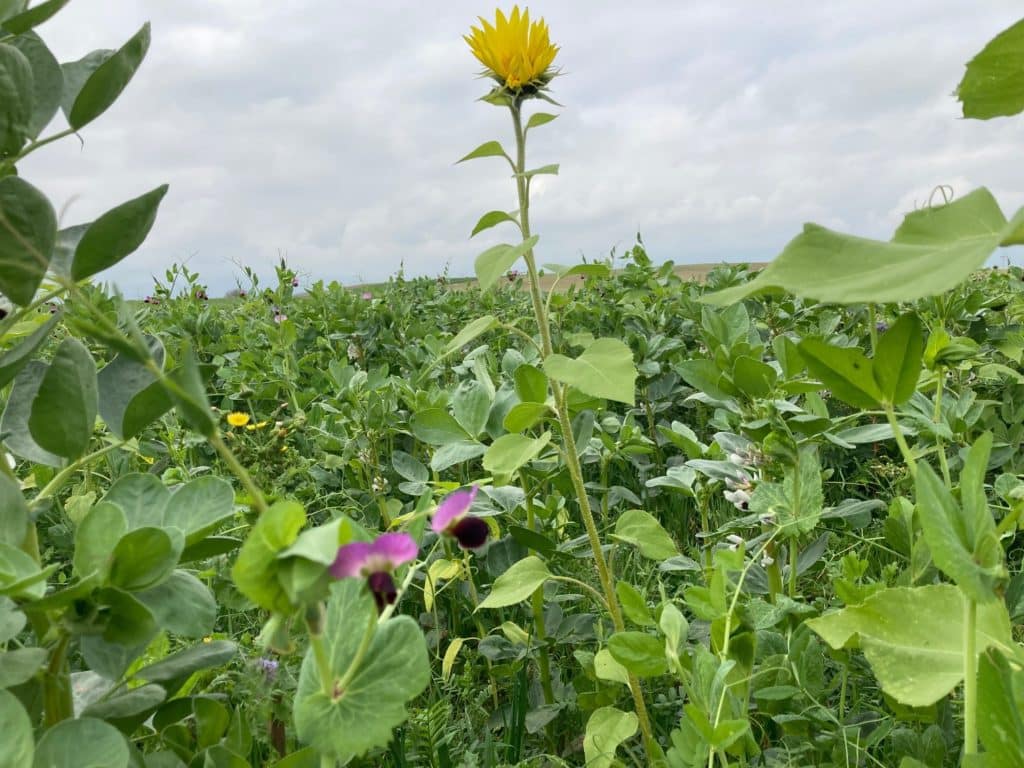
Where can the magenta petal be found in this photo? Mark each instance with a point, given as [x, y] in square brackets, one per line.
[396, 548]
[454, 506]
[350, 559]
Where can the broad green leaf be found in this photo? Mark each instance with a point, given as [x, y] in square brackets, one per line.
[934, 250]
[640, 653]
[531, 384]
[753, 377]
[63, 414]
[487, 149]
[255, 571]
[19, 665]
[523, 416]
[97, 536]
[14, 519]
[538, 119]
[605, 369]
[913, 638]
[436, 426]
[131, 396]
[1001, 721]
[142, 498]
[16, 358]
[606, 729]
[106, 82]
[12, 620]
[643, 531]
[14, 424]
[633, 604]
[394, 671]
[116, 234]
[496, 261]
[962, 537]
[143, 558]
[127, 709]
[189, 395]
[993, 85]
[47, 81]
[517, 583]
[15, 725]
[897, 363]
[847, 373]
[456, 452]
[510, 452]
[471, 404]
[33, 17]
[9, 8]
[16, 92]
[183, 663]
[797, 502]
[82, 743]
[199, 506]
[28, 230]
[181, 604]
[491, 219]
[473, 330]
[20, 575]
[607, 668]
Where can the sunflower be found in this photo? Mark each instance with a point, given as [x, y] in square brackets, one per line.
[516, 52]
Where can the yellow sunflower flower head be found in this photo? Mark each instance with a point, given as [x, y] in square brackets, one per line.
[516, 52]
[237, 419]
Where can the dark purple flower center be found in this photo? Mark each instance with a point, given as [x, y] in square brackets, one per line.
[471, 532]
[383, 588]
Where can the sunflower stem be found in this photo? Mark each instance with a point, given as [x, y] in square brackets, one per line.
[568, 441]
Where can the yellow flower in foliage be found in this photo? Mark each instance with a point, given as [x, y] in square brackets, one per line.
[516, 53]
[237, 419]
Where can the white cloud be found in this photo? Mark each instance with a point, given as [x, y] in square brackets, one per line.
[328, 130]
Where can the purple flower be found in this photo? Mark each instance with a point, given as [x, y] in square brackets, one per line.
[881, 326]
[295, 282]
[451, 518]
[375, 561]
[280, 317]
[367, 295]
[268, 667]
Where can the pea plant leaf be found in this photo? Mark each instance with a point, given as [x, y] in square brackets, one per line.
[993, 85]
[797, 502]
[934, 250]
[897, 363]
[606, 729]
[517, 583]
[913, 638]
[605, 369]
[394, 671]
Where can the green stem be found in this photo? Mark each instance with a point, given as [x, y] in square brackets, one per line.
[537, 608]
[256, 499]
[357, 660]
[774, 573]
[970, 677]
[569, 442]
[57, 701]
[901, 441]
[791, 545]
[315, 627]
[936, 417]
[62, 477]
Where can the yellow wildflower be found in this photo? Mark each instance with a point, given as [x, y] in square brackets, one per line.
[238, 419]
[516, 53]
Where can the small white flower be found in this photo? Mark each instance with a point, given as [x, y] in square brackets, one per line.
[738, 498]
[734, 541]
[766, 560]
[738, 460]
[11, 461]
[767, 518]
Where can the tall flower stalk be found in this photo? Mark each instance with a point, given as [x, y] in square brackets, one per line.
[518, 56]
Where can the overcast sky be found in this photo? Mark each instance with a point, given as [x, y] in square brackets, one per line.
[326, 130]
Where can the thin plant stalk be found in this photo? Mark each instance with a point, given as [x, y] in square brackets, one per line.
[970, 677]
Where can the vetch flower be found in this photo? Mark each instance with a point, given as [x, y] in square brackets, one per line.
[376, 561]
[238, 419]
[451, 518]
[739, 499]
[367, 295]
[268, 667]
[734, 541]
[516, 52]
